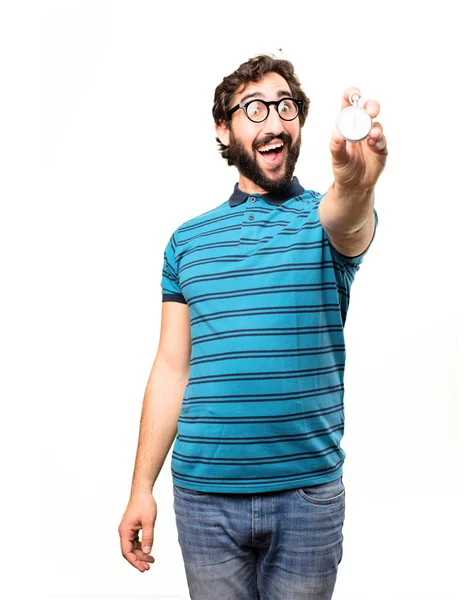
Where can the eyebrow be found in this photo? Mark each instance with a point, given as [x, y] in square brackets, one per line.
[279, 94]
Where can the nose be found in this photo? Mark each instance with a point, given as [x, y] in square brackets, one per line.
[273, 122]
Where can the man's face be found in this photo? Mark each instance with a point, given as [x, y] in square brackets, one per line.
[245, 137]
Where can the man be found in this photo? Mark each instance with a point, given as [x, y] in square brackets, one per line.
[249, 369]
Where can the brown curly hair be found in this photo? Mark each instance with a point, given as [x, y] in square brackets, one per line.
[253, 71]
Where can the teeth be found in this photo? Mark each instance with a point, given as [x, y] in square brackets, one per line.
[272, 147]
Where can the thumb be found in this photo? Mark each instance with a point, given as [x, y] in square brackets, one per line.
[147, 539]
[338, 148]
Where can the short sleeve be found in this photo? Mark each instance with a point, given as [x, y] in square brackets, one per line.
[353, 261]
[171, 288]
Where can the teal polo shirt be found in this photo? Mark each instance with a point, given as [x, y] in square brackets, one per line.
[268, 297]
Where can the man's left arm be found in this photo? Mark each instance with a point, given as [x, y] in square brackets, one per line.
[346, 212]
[348, 220]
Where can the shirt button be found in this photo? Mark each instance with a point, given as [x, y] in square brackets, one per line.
[251, 217]
[252, 199]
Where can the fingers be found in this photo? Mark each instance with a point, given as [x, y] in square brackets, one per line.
[371, 106]
[346, 95]
[131, 549]
[143, 552]
[138, 559]
[143, 558]
[376, 130]
[376, 138]
[136, 562]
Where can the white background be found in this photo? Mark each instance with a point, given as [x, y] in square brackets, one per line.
[94, 179]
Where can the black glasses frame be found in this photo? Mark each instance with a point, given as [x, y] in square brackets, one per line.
[299, 104]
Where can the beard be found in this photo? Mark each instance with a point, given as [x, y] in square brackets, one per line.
[247, 164]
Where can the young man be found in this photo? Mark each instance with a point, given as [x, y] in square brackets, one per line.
[250, 364]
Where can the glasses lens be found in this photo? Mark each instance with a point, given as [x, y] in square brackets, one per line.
[288, 109]
[256, 111]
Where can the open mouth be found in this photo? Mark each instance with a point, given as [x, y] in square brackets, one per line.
[273, 156]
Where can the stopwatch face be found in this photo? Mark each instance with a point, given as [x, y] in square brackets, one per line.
[354, 123]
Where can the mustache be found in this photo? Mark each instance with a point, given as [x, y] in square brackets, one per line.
[286, 138]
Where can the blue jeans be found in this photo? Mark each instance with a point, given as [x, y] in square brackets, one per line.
[267, 546]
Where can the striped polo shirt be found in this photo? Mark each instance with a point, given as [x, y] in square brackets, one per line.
[268, 297]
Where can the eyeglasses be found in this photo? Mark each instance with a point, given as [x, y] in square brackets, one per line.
[258, 110]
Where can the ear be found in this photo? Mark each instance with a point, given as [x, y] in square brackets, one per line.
[223, 133]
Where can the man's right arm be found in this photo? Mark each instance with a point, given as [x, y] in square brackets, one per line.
[163, 396]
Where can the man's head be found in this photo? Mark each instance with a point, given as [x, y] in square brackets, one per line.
[239, 138]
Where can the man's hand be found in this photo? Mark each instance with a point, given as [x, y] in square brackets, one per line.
[140, 514]
[357, 165]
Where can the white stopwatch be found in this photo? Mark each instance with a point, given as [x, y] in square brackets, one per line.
[354, 122]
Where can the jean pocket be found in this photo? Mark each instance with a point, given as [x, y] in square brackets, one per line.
[188, 491]
[329, 492]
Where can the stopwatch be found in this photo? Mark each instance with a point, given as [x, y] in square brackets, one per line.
[354, 122]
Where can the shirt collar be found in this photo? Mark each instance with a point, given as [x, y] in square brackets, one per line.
[293, 189]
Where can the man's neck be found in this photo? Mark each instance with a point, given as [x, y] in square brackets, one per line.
[249, 187]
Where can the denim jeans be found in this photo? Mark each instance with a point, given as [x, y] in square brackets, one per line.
[283, 545]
